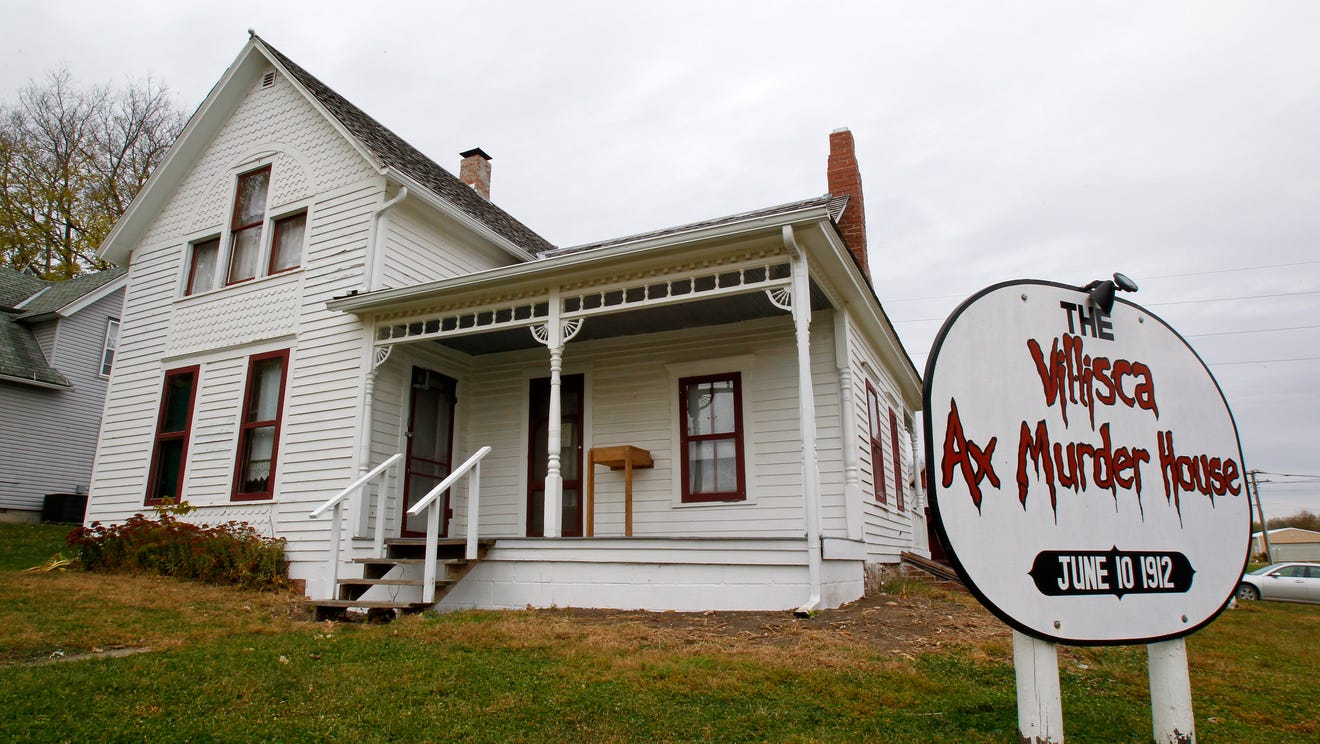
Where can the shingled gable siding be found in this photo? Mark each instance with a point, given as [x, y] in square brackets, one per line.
[886, 530]
[314, 167]
[50, 435]
[629, 394]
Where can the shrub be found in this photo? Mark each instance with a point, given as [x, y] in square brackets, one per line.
[231, 553]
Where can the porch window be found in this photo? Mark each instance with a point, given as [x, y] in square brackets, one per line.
[245, 226]
[898, 462]
[877, 446]
[111, 344]
[259, 434]
[201, 268]
[712, 438]
[170, 451]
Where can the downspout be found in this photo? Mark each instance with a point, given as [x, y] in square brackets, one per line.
[807, 420]
[369, 267]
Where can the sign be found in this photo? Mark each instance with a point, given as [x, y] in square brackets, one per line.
[1084, 467]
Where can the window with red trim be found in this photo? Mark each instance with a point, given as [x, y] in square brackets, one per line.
[201, 267]
[169, 452]
[898, 461]
[245, 225]
[259, 432]
[286, 246]
[877, 446]
[712, 438]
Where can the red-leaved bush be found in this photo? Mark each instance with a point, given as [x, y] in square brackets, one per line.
[230, 553]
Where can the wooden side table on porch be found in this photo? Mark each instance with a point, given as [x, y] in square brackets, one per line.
[623, 457]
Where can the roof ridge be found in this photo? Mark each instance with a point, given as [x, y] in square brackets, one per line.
[396, 152]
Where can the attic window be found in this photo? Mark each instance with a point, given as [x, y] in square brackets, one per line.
[268, 79]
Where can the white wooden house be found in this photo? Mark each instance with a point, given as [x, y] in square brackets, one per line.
[313, 303]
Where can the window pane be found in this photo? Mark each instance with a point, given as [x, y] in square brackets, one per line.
[287, 251]
[712, 466]
[710, 408]
[259, 445]
[250, 203]
[243, 258]
[178, 391]
[203, 265]
[169, 461]
[111, 343]
[264, 400]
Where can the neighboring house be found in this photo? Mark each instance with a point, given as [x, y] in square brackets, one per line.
[1288, 544]
[57, 347]
[309, 296]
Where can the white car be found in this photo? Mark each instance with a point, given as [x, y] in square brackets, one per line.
[1286, 582]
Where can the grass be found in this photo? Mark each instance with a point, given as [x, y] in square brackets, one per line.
[26, 545]
[230, 665]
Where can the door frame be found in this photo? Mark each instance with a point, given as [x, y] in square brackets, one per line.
[529, 479]
[404, 503]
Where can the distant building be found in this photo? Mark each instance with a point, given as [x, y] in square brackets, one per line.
[1288, 544]
[57, 347]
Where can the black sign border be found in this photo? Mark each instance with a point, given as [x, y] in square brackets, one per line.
[931, 489]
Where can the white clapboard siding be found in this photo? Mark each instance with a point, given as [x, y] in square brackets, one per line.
[313, 168]
[886, 531]
[421, 248]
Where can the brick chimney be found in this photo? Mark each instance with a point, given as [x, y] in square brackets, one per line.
[845, 179]
[474, 171]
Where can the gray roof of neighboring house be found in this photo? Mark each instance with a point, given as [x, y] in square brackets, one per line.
[396, 153]
[20, 354]
[835, 204]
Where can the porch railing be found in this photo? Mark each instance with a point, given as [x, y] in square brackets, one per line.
[389, 479]
[433, 506]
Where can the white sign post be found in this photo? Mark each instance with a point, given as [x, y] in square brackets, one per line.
[1084, 472]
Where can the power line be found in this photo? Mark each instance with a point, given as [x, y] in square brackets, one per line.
[1228, 299]
[1289, 475]
[1258, 330]
[1266, 361]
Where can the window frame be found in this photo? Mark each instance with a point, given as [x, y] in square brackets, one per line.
[874, 435]
[275, 224]
[109, 348]
[188, 288]
[259, 225]
[898, 460]
[245, 427]
[185, 434]
[739, 494]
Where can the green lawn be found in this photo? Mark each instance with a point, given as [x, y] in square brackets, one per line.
[226, 665]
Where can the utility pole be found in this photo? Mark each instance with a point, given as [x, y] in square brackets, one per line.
[1264, 532]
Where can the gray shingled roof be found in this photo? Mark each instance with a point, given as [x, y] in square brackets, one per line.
[396, 153]
[20, 354]
[834, 204]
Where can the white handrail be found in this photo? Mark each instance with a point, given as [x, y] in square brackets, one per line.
[333, 500]
[473, 464]
[336, 503]
[445, 484]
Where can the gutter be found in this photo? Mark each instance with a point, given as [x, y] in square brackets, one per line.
[34, 382]
[571, 261]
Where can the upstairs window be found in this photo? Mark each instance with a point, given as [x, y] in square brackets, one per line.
[259, 432]
[712, 438]
[201, 269]
[286, 245]
[108, 349]
[245, 226]
[877, 446]
[169, 453]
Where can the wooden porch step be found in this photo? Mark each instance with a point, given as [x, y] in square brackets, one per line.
[391, 582]
[408, 561]
[377, 605]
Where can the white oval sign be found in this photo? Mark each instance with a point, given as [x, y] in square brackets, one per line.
[1084, 469]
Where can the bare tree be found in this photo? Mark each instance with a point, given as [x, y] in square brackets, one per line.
[71, 160]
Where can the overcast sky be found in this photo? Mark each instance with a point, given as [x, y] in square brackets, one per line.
[1177, 142]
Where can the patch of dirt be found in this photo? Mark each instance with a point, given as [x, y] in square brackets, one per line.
[892, 624]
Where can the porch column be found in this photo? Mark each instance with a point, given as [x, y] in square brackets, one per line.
[852, 482]
[554, 335]
[806, 416]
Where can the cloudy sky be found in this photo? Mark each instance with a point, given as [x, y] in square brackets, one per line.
[1177, 142]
